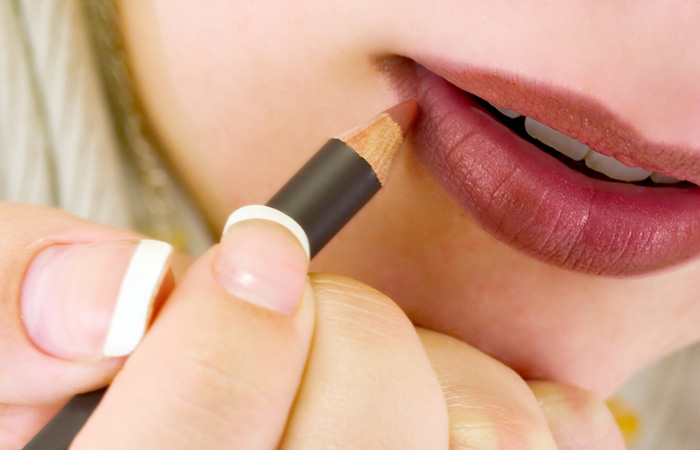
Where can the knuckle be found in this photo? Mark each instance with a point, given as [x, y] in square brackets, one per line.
[208, 390]
[215, 382]
[347, 302]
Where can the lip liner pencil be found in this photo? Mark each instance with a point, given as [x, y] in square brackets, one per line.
[314, 205]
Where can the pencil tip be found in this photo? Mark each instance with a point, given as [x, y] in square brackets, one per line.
[404, 114]
[378, 140]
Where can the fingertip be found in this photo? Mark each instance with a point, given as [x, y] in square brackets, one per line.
[84, 302]
[577, 418]
[262, 263]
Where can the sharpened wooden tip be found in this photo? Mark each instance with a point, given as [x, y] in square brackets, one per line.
[379, 139]
[404, 114]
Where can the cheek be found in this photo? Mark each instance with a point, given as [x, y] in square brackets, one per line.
[261, 92]
[414, 244]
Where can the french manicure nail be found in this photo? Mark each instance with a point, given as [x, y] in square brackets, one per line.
[263, 263]
[87, 301]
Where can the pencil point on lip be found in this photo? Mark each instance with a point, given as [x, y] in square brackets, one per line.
[404, 114]
[378, 140]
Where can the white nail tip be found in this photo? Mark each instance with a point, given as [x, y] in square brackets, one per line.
[265, 212]
[134, 304]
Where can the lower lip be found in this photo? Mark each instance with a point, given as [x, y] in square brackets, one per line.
[533, 202]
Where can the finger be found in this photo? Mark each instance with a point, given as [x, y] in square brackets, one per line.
[63, 279]
[19, 423]
[577, 418]
[217, 371]
[368, 383]
[489, 405]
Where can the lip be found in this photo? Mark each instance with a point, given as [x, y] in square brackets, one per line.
[532, 201]
[577, 116]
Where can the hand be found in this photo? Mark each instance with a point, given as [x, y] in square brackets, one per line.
[344, 369]
[60, 279]
[219, 372]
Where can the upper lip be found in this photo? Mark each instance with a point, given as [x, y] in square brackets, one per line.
[575, 115]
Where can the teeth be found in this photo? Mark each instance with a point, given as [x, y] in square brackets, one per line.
[614, 168]
[577, 151]
[507, 112]
[558, 141]
[663, 179]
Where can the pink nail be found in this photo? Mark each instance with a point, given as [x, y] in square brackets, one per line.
[261, 262]
[86, 301]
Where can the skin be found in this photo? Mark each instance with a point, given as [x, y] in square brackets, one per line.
[289, 67]
[223, 87]
[215, 371]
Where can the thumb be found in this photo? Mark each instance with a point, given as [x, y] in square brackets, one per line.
[74, 298]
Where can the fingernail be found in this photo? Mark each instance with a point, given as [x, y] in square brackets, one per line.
[86, 301]
[263, 263]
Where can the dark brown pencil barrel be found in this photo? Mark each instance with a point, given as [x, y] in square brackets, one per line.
[60, 431]
[327, 192]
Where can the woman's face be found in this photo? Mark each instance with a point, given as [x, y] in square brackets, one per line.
[477, 233]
